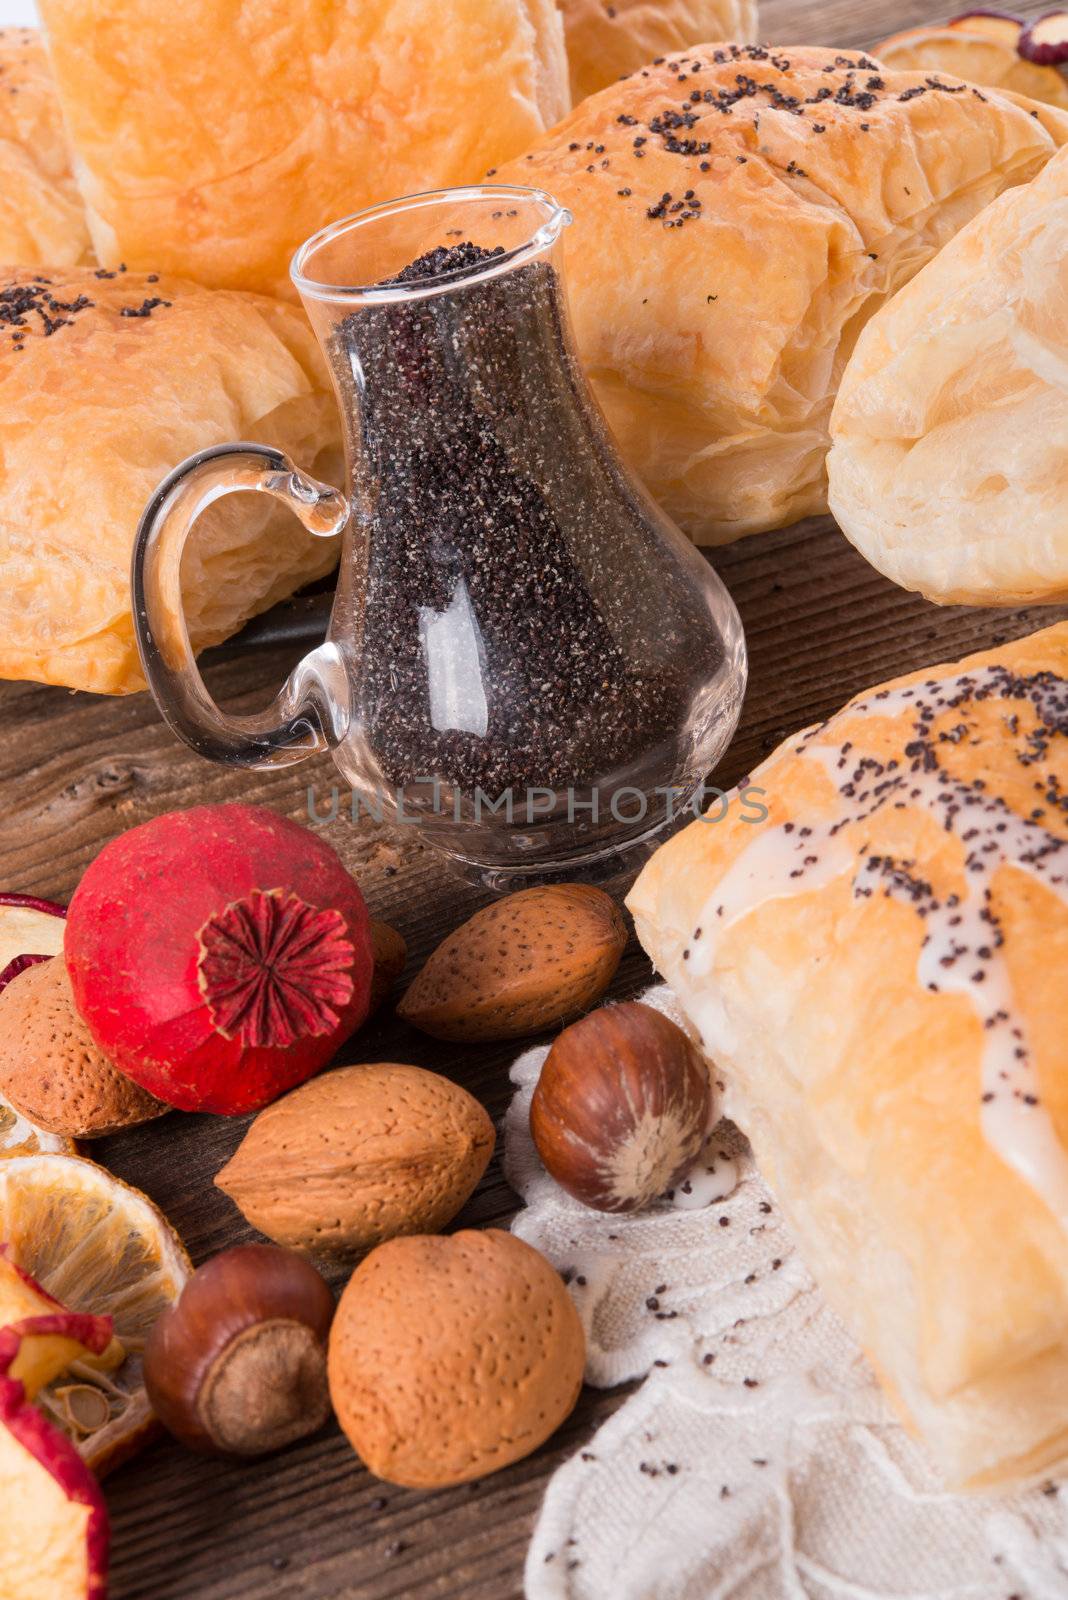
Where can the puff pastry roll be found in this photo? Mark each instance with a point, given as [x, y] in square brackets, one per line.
[41, 213]
[107, 380]
[878, 971]
[949, 459]
[740, 214]
[606, 41]
[214, 136]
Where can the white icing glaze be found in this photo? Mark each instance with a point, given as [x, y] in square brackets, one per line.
[962, 948]
[768, 869]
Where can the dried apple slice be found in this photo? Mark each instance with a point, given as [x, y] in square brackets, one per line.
[54, 1533]
[45, 1336]
[1045, 42]
[1003, 27]
[97, 1245]
[31, 930]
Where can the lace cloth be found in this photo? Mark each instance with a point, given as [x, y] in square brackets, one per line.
[758, 1460]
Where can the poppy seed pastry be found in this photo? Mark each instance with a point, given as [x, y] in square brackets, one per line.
[979, 48]
[107, 380]
[740, 213]
[606, 41]
[877, 971]
[41, 213]
[949, 462]
[214, 136]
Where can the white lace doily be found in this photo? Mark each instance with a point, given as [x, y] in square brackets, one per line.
[759, 1460]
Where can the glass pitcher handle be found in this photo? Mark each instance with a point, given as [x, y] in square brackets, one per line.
[310, 713]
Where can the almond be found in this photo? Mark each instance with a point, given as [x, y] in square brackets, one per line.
[451, 1358]
[529, 962]
[391, 957]
[357, 1156]
[50, 1068]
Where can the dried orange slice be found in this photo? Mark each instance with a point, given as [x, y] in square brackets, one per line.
[98, 1246]
[20, 1137]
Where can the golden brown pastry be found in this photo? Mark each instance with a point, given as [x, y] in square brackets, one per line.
[608, 38]
[41, 213]
[740, 213]
[107, 380]
[981, 49]
[878, 972]
[214, 136]
[949, 462]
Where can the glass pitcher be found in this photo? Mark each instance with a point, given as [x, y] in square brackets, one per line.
[526, 659]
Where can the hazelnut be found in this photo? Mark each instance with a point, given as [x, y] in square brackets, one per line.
[238, 1366]
[621, 1109]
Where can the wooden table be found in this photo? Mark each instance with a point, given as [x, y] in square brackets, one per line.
[74, 771]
